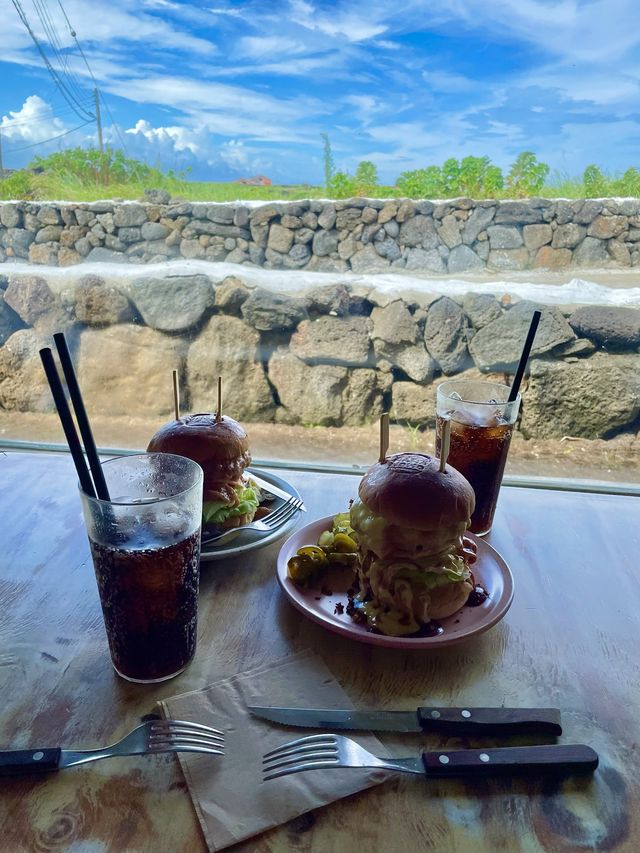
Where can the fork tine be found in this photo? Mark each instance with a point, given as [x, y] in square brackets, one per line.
[188, 724]
[282, 510]
[298, 768]
[174, 740]
[317, 739]
[291, 509]
[301, 751]
[205, 750]
[298, 758]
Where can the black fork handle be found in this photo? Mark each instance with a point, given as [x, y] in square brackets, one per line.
[16, 761]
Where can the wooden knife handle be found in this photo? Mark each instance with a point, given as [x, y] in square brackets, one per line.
[563, 759]
[491, 721]
[15, 761]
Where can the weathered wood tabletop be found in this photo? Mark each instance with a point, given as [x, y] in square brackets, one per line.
[571, 639]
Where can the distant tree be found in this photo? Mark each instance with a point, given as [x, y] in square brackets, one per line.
[341, 185]
[527, 175]
[595, 183]
[366, 174]
[327, 159]
[451, 177]
[628, 184]
[476, 175]
[421, 183]
[493, 181]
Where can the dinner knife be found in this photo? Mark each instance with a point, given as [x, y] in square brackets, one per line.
[466, 720]
[266, 486]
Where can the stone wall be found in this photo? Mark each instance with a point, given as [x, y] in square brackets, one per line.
[359, 235]
[334, 355]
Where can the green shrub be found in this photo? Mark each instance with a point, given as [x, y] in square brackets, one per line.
[16, 186]
[595, 183]
[421, 183]
[341, 185]
[527, 175]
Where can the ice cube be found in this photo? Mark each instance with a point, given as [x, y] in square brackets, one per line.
[455, 396]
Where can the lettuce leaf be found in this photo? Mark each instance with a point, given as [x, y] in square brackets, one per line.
[216, 512]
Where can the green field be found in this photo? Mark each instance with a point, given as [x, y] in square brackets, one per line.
[86, 175]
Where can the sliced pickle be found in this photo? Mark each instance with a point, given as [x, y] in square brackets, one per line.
[344, 544]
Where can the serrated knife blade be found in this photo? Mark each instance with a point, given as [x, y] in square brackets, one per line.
[464, 720]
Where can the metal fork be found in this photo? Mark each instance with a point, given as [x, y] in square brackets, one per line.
[326, 751]
[152, 737]
[271, 522]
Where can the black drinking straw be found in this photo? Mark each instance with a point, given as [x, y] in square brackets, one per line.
[66, 420]
[524, 358]
[81, 416]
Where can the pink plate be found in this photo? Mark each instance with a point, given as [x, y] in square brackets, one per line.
[490, 571]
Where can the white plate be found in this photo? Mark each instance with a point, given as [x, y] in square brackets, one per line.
[252, 539]
[490, 570]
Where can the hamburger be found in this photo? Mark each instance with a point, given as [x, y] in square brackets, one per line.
[221, 448]
[409, 520]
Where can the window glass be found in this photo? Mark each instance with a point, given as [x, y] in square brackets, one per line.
[333, 208]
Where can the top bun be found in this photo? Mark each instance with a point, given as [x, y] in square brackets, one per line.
[221, 447]
[409, 490]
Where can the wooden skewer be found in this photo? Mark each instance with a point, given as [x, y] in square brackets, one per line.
[445, 441]
[219, 410]
[384, 435]
[176, 395]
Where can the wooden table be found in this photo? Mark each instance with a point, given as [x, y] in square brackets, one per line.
[571, 639]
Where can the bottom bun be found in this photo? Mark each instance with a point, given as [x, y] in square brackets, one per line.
[447, 600]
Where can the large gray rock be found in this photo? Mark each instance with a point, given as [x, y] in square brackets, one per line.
[324, 242]
[536, 236]
[127, 369]
[462, 258]
[588, 398]
[128, 215]
[151, 231]
[98, 304]
[33, 301]
[412, 359]
[23, 385]
[449, 231]
[105, 256]
[48, 215]
[174, 303]
[517, 213]
[504, 237]
[394, 324]
[592, 252]
[280, 239]
[611, 327]
[49, 234]
[567, 236]
[604, 227]
[332, 340]
[498, 345]
[332, 299]
[481, 309]
[325, 394]
[431, 261]
[367, 260]
[418, 231]
[509, 259]
[444, 335]
[10, 215]
[10, 322]
[413, 403]
[231, 295]
[17, 241]
[229, 348]
[275, 312]
[480, 218]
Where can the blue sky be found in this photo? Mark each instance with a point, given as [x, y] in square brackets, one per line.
[234, 89]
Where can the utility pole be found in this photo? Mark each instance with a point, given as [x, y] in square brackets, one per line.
[98, 119]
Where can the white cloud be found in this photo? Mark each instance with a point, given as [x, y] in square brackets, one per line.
[338, 20]
[180, 138]
[33, 122]
[268, 46]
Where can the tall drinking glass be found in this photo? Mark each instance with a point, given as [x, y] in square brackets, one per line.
[482, 422]
[145, 544]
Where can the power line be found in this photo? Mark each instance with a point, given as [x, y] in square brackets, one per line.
[52, 138]
[64, 90]
[38, 118]
[56, 46]
[74, 36]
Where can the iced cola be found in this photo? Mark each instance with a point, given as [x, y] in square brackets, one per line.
[482, 423]
[145, 544]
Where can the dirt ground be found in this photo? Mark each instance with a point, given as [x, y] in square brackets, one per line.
[615, 460]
